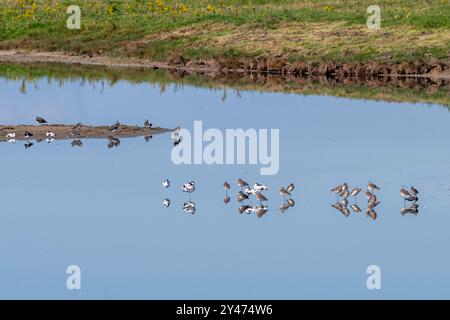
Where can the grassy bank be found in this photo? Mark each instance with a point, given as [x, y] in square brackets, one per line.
[29, 75]
[294, 30]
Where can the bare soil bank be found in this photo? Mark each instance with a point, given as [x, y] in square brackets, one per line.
[435, 69]
[63, 132]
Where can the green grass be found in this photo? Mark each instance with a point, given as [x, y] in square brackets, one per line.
[29, 75]
[314, 30]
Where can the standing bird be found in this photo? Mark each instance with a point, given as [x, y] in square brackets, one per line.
[337, 189]
[28, 134]
[11, 135]
[50, 134]
[414, 191]
[226, 186]
[355, 192]
[166, 203]
[405, 193]
[248, 191]
[226, 200]
[372, 186]
[260, 211]
[372, 214]
[345, 186]
[259, 187]
[148, 124]
[291, 202]
[40, 120]
[166, 183]
[175, 137]
[148, 137]
[114, 127]
[284, 192]
[28, 145]
[188, 187]
[241, 183]
[290, 187]
[260, 197]
[368, 194]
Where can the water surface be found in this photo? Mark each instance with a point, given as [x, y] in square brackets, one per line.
[101, 208]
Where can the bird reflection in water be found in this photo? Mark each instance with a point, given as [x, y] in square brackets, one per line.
[409, 196]
[246, 194]
[342, 203]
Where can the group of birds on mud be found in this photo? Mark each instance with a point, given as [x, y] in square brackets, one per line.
[188, 187]
[343, 192]
[76, 132]
[246, 193]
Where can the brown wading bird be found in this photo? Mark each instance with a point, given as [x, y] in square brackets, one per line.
[241, 183]
[407, 196]
[337, 189]
[226, 200]
[414, 209]
[261, 197]
[368, 194]
[291, 202]
[227, 187]
[284, 192]
[284, 207]
[344, 202]
[372, 187]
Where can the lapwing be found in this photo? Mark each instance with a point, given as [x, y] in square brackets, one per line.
[40, 120]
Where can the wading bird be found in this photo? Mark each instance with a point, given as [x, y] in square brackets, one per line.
[166, 203]
[166, 183]
[148, 124]
[50, 134]
[260, 197]
[241, 196]
[114, 127]
[241, 183]
[290, 187]
[28, 134]
[189, 207]
[355, 192]
[259, 187]
[372, 186]
[11, 135]
[175, 137]
[40, 120]
[188, 187]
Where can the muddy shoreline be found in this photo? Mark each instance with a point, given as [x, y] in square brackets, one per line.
[69, 132]
[433, 69]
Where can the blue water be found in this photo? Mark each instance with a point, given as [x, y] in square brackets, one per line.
[101, 209]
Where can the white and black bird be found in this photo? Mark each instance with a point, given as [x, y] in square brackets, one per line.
[258, 187]
[249, 191]
[40, 120]
[166, 203]
[28, 145]
[28, 134]
[176, 137]
[148, 137]
[13, 141]
[50, 140]
[188, 187]
[166, 183]
[148, 124]
[290, 187]
[50, 134]
[114, 127]
[11, 135]
[414, 192]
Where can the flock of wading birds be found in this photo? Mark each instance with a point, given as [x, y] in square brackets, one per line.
[247, 194]
[76, 132]
[244, 197]
[344, 193]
